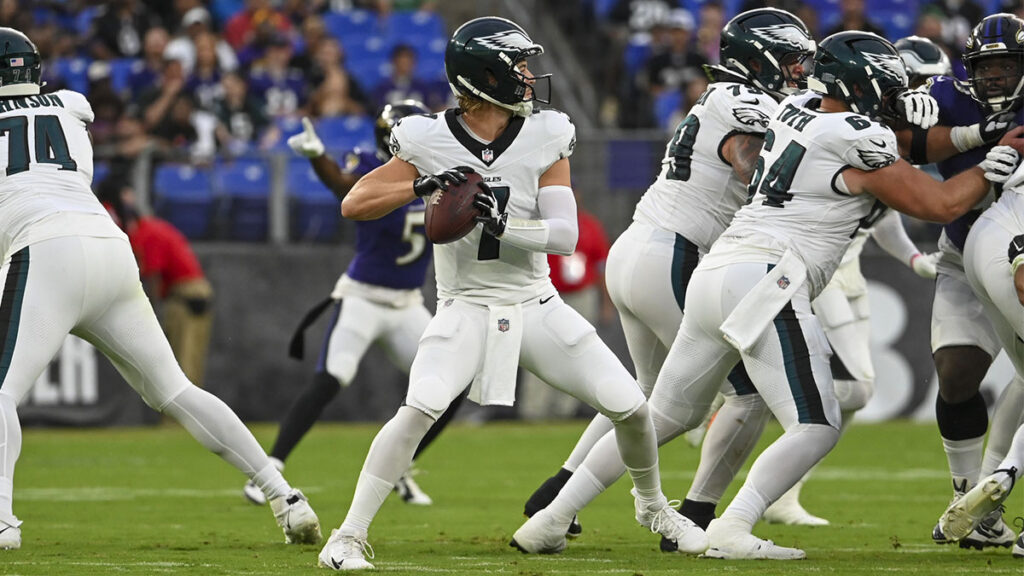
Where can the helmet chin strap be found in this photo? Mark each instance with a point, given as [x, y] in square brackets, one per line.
[25, 89]
[524, 108]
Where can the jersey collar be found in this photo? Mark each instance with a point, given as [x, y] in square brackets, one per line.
[486, 153]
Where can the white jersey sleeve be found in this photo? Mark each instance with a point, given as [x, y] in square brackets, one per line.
[698, 192]
[408, 144]
[868, 148]
[77, 105]
[560, 135]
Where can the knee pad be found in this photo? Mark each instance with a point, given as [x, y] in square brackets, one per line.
[853, 394]
[430, 396]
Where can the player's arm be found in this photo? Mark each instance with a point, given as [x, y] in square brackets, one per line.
[890, 234]
[555, 232]
[939, 143]
[381, 191]
[911, 191]
[742, 150]
[308, 144]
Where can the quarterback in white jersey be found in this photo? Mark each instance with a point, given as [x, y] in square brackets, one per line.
[67, 268]
[703, 181]
[749, 298]
[497, 307]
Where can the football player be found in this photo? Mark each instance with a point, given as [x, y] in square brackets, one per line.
[497, 307]
[67, 268]
[376, 300]
[680, 217]
[923, 59]
[972, 117]
[827, 168]
[994, 260]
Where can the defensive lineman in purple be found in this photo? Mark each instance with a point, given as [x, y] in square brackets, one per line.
[377, 299]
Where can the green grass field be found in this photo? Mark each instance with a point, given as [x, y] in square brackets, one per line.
[152, 501]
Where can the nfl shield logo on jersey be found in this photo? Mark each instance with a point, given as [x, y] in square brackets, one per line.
[487, 155]
[783, 282]
[503, 325]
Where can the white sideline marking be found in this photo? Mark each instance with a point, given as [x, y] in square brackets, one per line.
[112, 493]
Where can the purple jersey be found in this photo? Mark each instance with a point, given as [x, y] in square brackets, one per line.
[392, 251]
[281, 95]
[957, 108]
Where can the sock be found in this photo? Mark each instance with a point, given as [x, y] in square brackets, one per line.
[389, 457]
[438, 426]
[727, 445]
[702, 513]
[1015, 455]
[580, 490]
[597, 428]
[219, 429]
[304, 412]
[778, 468]
[963, 428]
[964, 457]
[637, 445]
[1008, 416]
[10, 449]
[543, 496]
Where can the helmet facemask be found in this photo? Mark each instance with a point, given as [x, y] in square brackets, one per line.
[996, 80]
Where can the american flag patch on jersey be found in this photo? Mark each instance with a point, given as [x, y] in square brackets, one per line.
[17, 62]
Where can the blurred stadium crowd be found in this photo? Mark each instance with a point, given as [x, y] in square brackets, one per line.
[212, 87]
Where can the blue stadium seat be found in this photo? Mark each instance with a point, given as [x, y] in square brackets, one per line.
[407, 24]
[351, 23]
[100, 171]
[430, 59]
[343, 133]
[665, 104]
[315, 212]
[121, 72]
[74, 72]
[184, 196]
[630, 164]
[368, 59]
[245, 185]
[636, 56]
[602, 8]
[896, 17]
[289, 126]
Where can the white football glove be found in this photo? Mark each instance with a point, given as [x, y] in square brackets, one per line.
[999, 164]
[924, 264]
[307, 143]
[920, 108]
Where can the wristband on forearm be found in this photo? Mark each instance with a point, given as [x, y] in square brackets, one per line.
[918, 145]
[966, 138]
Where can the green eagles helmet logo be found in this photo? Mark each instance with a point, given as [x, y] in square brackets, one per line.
[783, 34]
[890, 65]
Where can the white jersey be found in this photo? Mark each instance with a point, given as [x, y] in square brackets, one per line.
[697, 192]
[46, 171]
[478, 267]
[799, 204]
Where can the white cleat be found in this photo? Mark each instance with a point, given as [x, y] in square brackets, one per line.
[966, 512]
[730, 543]
[295, 516]
[10, 536]
[789, 511]
[541, 534]
[991, 532]
[346, 550]
[663, 517]
[253, 493]
[1018, 546]
[410, 492]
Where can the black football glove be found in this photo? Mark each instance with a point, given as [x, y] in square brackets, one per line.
[490, 216]
[992, 128]
[426, 185]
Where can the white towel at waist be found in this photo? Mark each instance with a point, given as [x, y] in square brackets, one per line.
[495, 383]
[758, 308]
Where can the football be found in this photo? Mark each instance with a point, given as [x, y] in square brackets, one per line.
[450, 213]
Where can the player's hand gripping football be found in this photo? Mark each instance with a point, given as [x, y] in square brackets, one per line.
[307, 143]
[918, 108]
[426, 185]
[490, 216]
